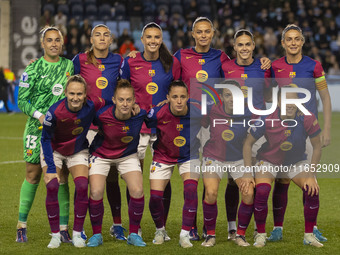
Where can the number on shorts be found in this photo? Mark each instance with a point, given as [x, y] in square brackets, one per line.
[30, 143]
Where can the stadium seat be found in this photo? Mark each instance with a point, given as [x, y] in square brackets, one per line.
[203, 2]
[112, 25]
[168, 44]
[91, 11]
[139, 45]
[87, 2]
[120, 13]
[50, 8]
[122, 25]
[64, 9]
[205, 10]
[77, 12]
[73, 2]
[148, 19]
[177, 9]
[166, 35]
[104, 12]
[136, 35]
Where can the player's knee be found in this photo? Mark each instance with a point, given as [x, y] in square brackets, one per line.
[136, 191]
[249, 197]
[211, 195]
[96, 194]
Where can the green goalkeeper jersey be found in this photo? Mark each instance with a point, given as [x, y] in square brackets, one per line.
[42, 84]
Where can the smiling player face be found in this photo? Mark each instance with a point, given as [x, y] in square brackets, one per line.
[152, 40]
[244, 47]
[293, 42]
[52, 44]
[76, 95]
[178, 98]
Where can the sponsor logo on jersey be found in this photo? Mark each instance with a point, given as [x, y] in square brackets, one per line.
[77, 121]
[127, 139]
[126, 128]
[24, 85]
[57, 89]
[68, 74]
[152, 73]
[138, 67]
[280, 70]
[151, 88]
[101, 68]
[229, 72]
[286, 146]
[29, 152]
[180, 141]
[201, 62]
[63, 120]
[77, 131]
[153, 169]
[244, 76]
[189, 57]
[202, 76]
[24, 77]
[245, 91]
[102, 83]
[292, 74]
[179, 127]
[227, 135]
[288, 132]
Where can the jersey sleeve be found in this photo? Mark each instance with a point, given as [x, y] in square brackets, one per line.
[311, 125]
[100, 102]
[151, 118]
[176, 69]
[267, 76]
[26, 90]
[125, 69]
[318, 70]
[46, 138]
[76, 64]
[257, 131]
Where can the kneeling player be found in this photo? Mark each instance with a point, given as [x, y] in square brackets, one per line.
[64, 142]
[222, 153]
[285, 150]
[116, 144]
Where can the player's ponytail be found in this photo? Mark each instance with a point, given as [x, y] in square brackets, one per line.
[164, 54]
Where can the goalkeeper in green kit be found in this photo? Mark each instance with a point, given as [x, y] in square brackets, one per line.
[41, 85]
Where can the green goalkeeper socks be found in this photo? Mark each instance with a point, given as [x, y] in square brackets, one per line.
[27, 194]
[64, 203]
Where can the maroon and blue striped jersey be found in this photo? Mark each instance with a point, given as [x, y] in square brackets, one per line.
[226, 140]
[116, 138]
[285, 145]
[302, 74]
[102, 80]
[65, 131]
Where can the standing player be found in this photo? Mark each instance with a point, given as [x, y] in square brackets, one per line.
[295, 68]
[285, 150]
[150, 73]
[116, 144]
[247, 71]
[64, 140]
[223, 152]
[100, 69]
[176, 138]
[41, 85]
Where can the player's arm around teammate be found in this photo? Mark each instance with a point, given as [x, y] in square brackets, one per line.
[64, 142]
[116, 144]
[283, 155]
[41, 85]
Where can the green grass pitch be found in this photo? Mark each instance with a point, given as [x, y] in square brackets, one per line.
[12, 174]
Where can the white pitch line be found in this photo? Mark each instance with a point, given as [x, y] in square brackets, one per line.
[12, 162]
[10, 138]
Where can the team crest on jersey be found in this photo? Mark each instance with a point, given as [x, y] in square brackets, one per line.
[77, 121]
[201, 62]
[245, 91]
[24, 77]
[288, 132]
[180, 141]
[202, 76]
[244, 76]
[151, 88]
[102, 82]
[227, 135]
[179, 127]
[77, 131]
[286, 146]
[292, 74]
[152, 73]
[127, 139]
[126, 128]
[68, 74]
[208, 162]
[29, 152]
[57, 89]
[101, 68]
[153, 169]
